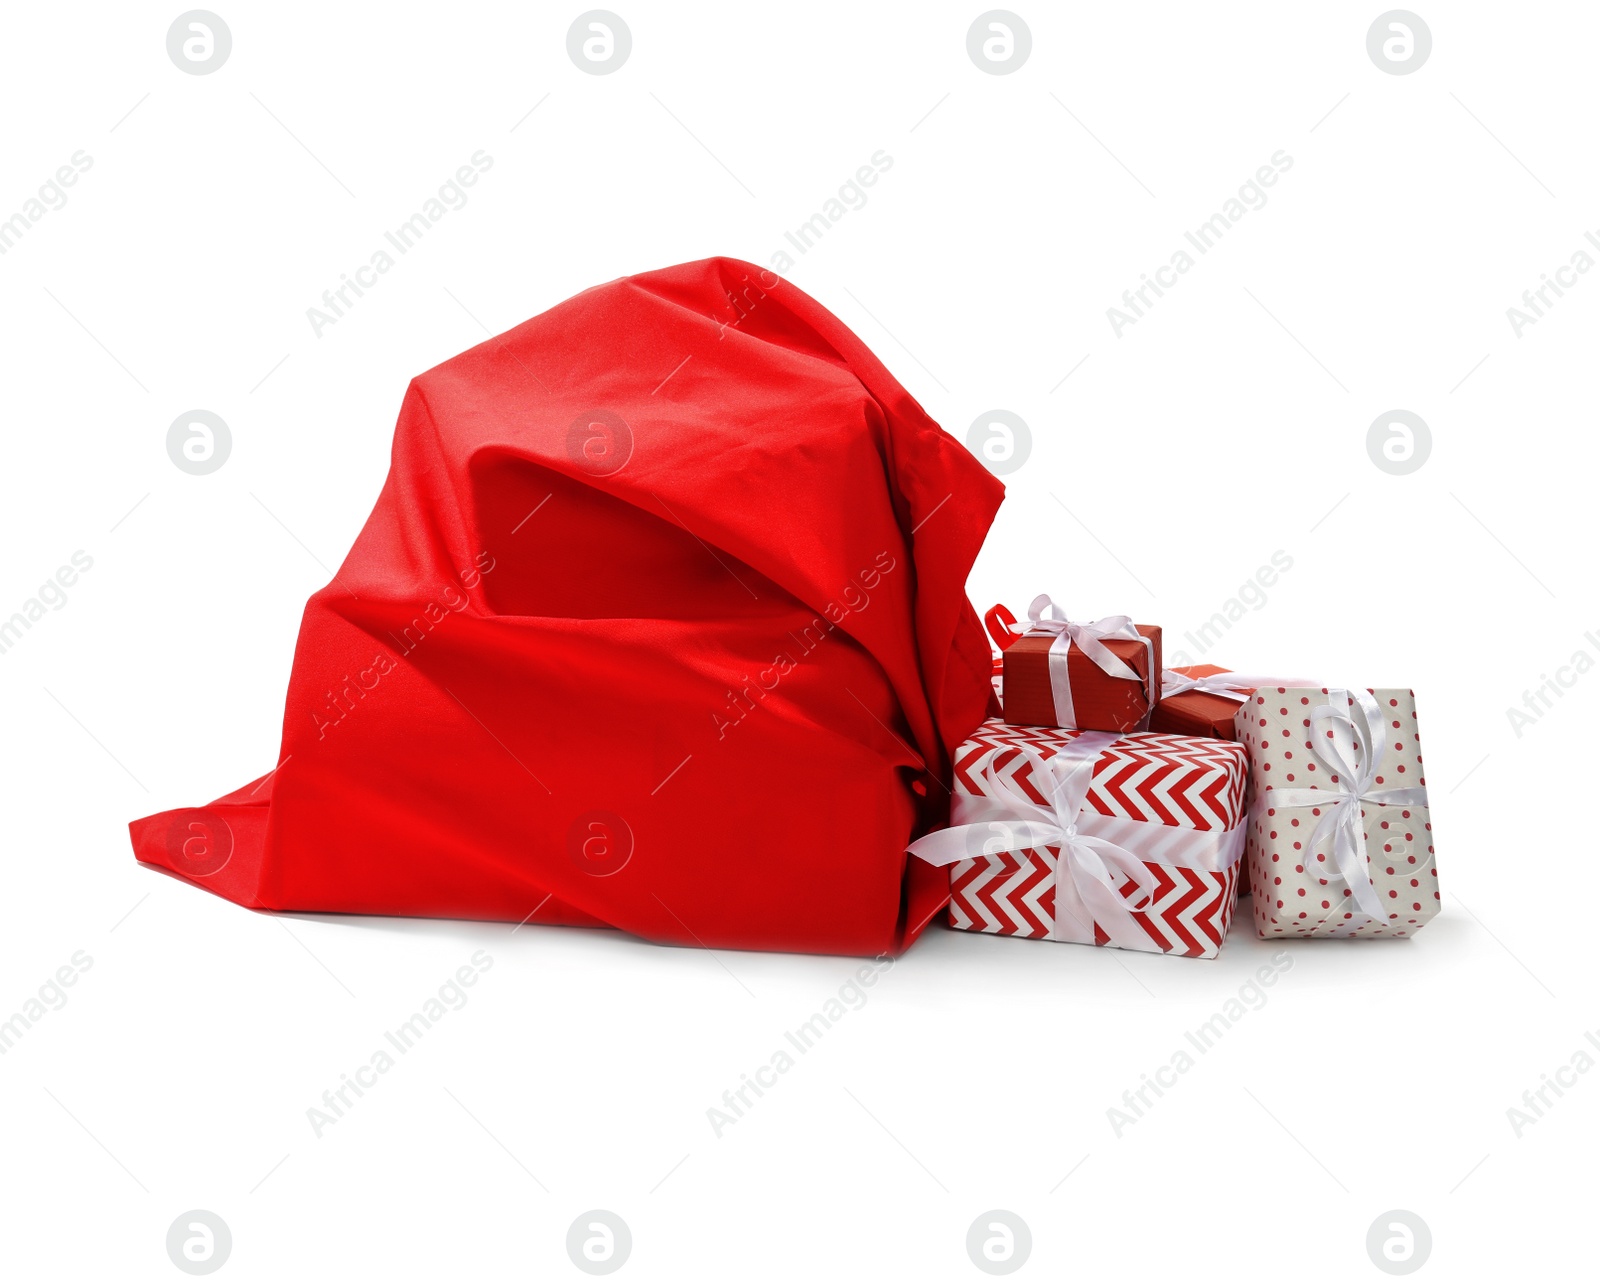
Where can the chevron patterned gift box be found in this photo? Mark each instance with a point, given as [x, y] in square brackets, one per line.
[1127, 840]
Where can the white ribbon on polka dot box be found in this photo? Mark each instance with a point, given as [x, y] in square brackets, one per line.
[1339, 842]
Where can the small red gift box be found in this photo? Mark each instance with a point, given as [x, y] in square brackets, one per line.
[1095, 675]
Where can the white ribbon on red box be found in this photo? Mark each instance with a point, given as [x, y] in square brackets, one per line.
[1229, 684]
[1354, 769]
[1044, 617]
[1098, 854]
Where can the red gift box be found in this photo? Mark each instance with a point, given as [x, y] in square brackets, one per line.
[1197, 711]
[1130, 841]
[1095, 675]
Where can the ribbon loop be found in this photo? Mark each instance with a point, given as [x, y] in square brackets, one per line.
[1000, 623]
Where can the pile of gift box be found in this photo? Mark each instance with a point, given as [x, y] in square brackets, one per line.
[1121, 804]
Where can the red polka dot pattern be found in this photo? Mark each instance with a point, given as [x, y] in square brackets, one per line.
[1399, 840]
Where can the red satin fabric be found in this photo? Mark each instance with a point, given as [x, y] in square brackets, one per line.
[745, 642]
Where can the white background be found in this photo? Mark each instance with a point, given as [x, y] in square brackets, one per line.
[1227, 424]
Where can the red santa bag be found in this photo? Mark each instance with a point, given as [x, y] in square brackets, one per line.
[659, 623]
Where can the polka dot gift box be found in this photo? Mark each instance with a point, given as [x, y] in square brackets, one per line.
[1339, 843]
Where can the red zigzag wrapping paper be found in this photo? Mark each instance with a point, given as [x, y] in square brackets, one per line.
[1180, 785]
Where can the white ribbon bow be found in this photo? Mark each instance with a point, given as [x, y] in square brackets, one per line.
[1090, 871]
[1354, 769]
[1044, 617]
